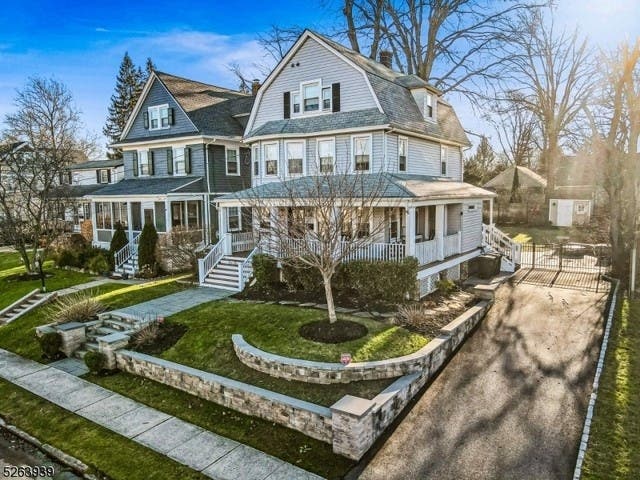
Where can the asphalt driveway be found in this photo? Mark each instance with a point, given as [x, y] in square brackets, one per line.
[511, 403]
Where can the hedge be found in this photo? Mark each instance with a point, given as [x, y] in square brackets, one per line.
[265, 271]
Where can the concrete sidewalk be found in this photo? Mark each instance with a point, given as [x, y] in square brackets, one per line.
[511, 403]
[215, 456]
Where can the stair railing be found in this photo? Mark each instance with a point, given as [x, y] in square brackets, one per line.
[208, 263]
[125, 253]
[245, 269]
[498, 241]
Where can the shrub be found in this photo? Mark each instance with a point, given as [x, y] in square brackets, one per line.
[77, 307]
[95, 361]
[66, 258]
[50, 343]
[301, 277]
[265, 271]
[98, 264]
[147, 247]
[146, 335]
[446, 286]
[86, 254]
[118, 242]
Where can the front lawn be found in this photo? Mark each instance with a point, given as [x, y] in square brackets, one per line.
[107, 452]
[9, 260]
[207, 346]
[614, 445]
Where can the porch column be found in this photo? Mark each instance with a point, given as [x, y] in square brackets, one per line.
[129, 221]
[440, 213]
[491, 211]
[410, 231]
[94, 224]
[167, 215]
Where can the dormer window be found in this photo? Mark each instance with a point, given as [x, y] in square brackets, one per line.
[159, 117]
[104, 176]
[311, 96]
[428, 105]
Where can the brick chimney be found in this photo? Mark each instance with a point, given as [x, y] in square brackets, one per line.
[255, 86]
[386, 58]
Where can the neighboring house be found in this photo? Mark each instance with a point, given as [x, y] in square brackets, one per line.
[521, 195]
[181, 149]
[327, 110]
[575, 193]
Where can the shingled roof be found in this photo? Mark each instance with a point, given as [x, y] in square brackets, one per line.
[152, 186]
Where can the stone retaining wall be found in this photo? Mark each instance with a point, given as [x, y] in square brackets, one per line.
[326, 373]
[311, 419]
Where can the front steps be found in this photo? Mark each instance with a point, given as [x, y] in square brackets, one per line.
[108, 324]
[225, 275]
[24, 305]
[130, 267]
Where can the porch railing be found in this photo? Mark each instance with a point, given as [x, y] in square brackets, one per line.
[373, 251]
[245, 269]
[242, 241]
[206, 264]
[427, 252]
[452, 244]
[125, 253]
[498, 241]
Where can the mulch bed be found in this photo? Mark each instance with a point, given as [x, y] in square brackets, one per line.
[337, 332]
[168, 336]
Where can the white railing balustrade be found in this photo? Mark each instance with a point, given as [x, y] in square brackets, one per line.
[242, 241]
[452, 244]
[498, 241]
[245, 270]
[206, 264]
[375, 251]
[427, 252]
[126, 252]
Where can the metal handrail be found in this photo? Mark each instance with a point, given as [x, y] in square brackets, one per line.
[126, 252]
[208, 263]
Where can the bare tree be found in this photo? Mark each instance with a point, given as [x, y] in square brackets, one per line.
[322, 221]
[615, 124]
[47, 123]
[180, 248]
[551, 76]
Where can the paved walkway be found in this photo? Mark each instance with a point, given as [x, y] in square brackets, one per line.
[511, 403]
[93, 284]
[215, 456]
[174, 303]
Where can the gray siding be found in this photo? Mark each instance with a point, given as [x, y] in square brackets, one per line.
[316, 62]
[220, 182]
[158, 95]
[160, 161]
[454, 163]
[471, 225]
[453, 218]
[424, 157]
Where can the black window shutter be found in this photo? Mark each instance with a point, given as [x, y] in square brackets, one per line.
[135, 164]
[335, 97]
[145, 116]
[108, 176]
[152, 170]
[169, 161]
[287, 105]
[97, 176]
[187, 160]
[171, 120]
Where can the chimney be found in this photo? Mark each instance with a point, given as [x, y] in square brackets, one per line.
[386, 58]
[255, 86]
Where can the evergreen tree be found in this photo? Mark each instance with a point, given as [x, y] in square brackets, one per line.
[515, 186]
[149, 68]
[129, 84]
[118, 242]
[482, 165]
[147, 247]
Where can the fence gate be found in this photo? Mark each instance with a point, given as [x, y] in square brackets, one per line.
[568, 265]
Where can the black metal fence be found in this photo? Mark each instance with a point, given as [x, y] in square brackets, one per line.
[569, 265]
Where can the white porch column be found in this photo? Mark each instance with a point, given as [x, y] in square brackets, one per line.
[129, 221]
[410, 231]
[206, 216]
[440, 213]
[491, 211]
[94, 224]
[167, 215]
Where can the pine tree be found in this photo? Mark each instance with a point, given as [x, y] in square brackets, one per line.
[129, 84]
[149, 68]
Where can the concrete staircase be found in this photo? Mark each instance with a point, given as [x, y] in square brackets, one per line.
[24, 305]
[106, 326]
[225, 275]
[130, 267]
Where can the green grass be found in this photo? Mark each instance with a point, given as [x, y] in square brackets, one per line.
[9, 260]
[284, 443]
[207, 345]
[116, 456]
[614, 444]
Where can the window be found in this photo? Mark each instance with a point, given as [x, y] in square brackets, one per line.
[235, 222]
[193, 215]
[362, 152]
[179, 161]
[326, 155]
[402, 154]
[104, 176]
[159, 117]
[233, 167]
[295, 157]
[256, 161]
[143, 162]
[363, 230]
[326, 98]
[311, 96]
[271, 159]
[160, 216]
[295, 102]
[120, 214]
[443, 161]
[428, 105]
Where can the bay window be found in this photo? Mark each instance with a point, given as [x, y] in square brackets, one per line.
[295, 157]
[256, 161]
[326, 155]
[362, 152]
[271, 159]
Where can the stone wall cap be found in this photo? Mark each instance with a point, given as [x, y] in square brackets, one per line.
[354, 406]
[70, 326]
[113, 338]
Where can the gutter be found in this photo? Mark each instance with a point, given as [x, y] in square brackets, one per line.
[428, 137]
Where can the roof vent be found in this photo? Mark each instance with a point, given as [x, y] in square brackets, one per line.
[386, 58]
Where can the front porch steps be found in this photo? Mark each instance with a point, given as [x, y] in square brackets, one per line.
[130, 267]
[24, 305]
[225, 275]
[107, 324]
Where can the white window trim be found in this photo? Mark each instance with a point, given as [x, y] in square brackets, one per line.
[264, 158]
[239, 219]
[255, 158]
[444, 160]
[158, 108]
[226, 155]
[322, 89]
[300, 92]
[406, 154]
[140, 162]
[353, 152]
[178, 152]
[304, 158]
[106, 176]
[319, 164]
[293, 112]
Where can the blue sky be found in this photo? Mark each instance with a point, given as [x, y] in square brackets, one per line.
[82, 43]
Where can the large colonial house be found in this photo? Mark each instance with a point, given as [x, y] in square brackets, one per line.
[327, 111]
[182, 148]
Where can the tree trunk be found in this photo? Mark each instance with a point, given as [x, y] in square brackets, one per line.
[331, 308]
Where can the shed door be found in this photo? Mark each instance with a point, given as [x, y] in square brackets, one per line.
[565, 213]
